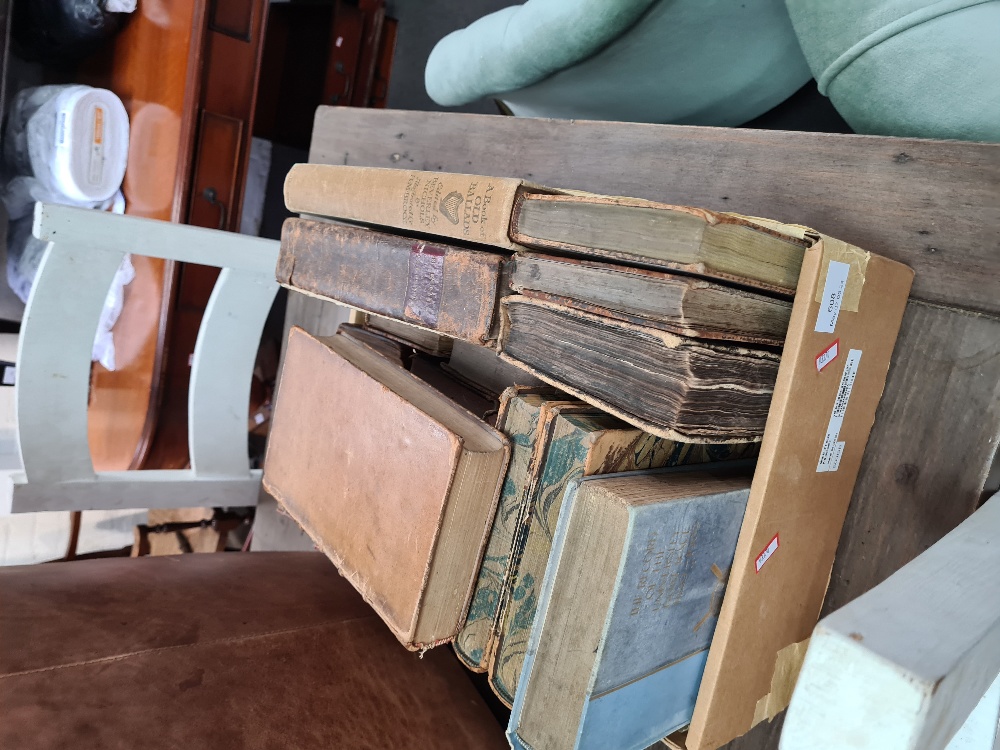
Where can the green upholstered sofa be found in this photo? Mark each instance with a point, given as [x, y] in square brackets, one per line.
[893, 67]
[906, 67]
[700, 62]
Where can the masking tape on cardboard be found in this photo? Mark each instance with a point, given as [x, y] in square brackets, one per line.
[856, 261]
[787, 665]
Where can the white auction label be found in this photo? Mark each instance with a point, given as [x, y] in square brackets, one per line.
[833, 448]
[827, 356]
[833, 296]
[764, 556]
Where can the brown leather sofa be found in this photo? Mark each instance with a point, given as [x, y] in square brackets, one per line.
[233, 650]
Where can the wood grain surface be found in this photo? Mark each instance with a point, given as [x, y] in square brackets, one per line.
[932, 205]
[930, 449]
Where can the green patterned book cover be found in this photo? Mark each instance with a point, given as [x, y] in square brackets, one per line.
[520, 410]
[579, 445]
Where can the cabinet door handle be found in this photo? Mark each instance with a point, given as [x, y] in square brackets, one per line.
[210, 195]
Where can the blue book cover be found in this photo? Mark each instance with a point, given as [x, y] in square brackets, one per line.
[627, 609]
[576, 444]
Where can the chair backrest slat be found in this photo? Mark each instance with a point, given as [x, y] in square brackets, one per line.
[54, 365]
[221, 372]
[157, 239]
[54, 359]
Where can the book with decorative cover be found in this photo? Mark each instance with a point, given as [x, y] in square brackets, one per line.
[522, 409]
[508, 213]
[627, 609]
[579, 441]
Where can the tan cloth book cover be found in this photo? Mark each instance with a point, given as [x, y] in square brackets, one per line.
[392, 480]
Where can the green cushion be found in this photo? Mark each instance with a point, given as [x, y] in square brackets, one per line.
[907, 67]
[703, 62]
[514, 47]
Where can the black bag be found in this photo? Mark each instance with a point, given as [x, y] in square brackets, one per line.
[62, 32]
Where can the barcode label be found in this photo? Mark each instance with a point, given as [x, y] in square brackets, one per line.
[833, 449]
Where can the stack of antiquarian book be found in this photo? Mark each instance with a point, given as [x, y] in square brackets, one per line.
[539, 444]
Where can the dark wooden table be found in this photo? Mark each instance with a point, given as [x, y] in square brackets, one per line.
[934, 205]
[187, 73]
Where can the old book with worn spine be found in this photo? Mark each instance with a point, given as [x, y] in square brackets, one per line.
[578, 441]
[521, 409]
[411, 336]
[391, 479]
[430, 370]
[388, 347]
[448, 289]
[509, 213]
[673, 386]
[678, 303]
[649, 553]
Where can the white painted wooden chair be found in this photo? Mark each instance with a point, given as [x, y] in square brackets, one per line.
[913, 663]
[54, 362]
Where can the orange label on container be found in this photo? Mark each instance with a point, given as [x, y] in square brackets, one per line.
[98, 126]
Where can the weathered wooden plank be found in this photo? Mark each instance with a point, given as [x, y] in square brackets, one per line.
[930, 204]
[930, 449]
[319, 317]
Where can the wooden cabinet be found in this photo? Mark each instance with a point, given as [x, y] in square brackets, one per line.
[187, 71]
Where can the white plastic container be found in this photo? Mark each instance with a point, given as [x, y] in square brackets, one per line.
[72, 139]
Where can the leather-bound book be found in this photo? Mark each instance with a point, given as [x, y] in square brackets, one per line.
[393, 481]
[673, 386]
[444, 288]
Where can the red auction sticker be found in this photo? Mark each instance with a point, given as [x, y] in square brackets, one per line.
[827, 356]
[764, 556]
